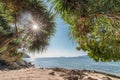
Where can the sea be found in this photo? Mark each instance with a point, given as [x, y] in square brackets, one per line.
[81, 63]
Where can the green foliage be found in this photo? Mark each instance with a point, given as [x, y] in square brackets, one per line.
[94, 25]
[36, 13]
[6, 31]
[75, 9]
[16, 32]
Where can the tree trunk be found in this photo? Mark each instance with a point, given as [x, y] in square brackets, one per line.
[5, 43]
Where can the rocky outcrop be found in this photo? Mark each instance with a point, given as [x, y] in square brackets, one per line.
[15, 65]
[20, 64]
[79, 74]
[26, 56]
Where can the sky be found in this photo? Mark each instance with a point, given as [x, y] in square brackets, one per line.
[60, 44]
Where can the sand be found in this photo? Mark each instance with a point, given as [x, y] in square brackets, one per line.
[52, 74]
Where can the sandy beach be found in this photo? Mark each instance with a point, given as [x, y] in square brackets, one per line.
[53, 74]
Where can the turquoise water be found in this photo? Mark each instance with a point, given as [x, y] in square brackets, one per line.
[83, 62]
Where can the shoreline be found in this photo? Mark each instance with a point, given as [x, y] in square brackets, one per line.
[106, 73]
[89, 70]
[95, 71]
[55, 74]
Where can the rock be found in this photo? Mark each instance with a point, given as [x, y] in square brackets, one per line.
[52, 73]
[59, 69]
[106, 78]
[3, 63]
[76, 72]
[14, 66]
[25, 64]
[26, 56]
[21, 63]
[72, 77]
[29, 64]
[63, 75]
[90, 78]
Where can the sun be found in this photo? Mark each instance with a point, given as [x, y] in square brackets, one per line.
[35, 27]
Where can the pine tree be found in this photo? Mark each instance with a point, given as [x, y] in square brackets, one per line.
[26, 25]
[94, 25]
